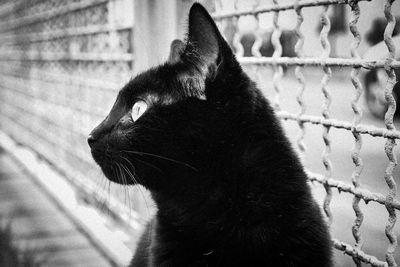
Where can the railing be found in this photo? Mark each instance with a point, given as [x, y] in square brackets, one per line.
[326, 121]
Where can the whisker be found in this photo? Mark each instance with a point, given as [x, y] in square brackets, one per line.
[146, 163]
[130, 175]
[105, 187]
[133, 169]
[127, 160]
[134, 179]
[125, 187]
[161, 157]
[122, 180]
[128, 172]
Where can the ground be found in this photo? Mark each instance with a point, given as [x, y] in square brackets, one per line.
[38, 226]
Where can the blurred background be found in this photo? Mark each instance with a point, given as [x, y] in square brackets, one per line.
[62, 64]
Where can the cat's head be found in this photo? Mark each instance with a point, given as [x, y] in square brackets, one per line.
[169, 120]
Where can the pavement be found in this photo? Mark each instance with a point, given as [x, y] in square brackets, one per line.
[38, 226]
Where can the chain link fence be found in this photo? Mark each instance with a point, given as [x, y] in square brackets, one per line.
[63, 62]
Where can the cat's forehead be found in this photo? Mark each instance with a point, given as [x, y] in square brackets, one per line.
[157, 80]
[161, 85]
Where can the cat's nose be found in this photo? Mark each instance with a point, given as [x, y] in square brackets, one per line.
[91, 140]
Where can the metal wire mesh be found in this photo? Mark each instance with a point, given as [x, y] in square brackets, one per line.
[326, 121]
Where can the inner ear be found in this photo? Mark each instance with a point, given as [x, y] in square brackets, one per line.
[177, 47]
[204, 37]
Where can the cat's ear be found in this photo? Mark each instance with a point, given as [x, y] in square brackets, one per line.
[204, 38]
[177, 48]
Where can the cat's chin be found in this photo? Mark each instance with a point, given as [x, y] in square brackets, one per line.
[117, 175]
[117, 172]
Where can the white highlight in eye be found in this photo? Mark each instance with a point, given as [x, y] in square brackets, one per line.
[138, 109]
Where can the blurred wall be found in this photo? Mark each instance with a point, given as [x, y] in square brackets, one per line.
[61, 66]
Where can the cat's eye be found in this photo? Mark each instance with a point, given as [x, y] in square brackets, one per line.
[138, 109]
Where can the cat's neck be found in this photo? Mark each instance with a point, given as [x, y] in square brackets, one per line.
[215, 213]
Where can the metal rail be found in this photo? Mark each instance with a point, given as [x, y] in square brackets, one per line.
[364, 129]
[62, 56]
[27, 38]
[330, 62]
[277, 8]
[47, 15]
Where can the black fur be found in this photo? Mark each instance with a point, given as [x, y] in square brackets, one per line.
[230, 190]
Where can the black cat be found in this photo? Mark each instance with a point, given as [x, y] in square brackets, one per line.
[201, 137]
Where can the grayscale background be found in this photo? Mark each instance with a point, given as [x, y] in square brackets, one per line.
[322, 63]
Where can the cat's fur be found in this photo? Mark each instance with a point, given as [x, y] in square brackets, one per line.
[230, 190]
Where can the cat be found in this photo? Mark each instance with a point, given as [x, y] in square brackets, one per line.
[197, 133]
